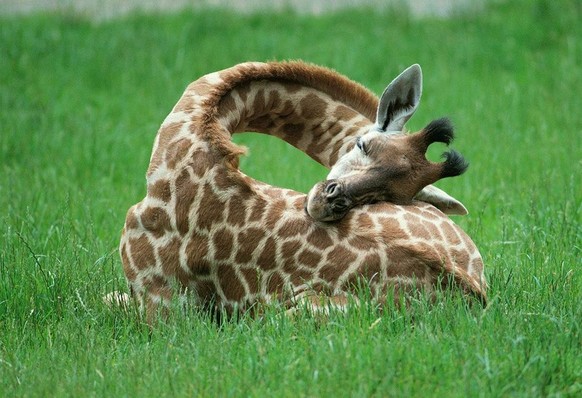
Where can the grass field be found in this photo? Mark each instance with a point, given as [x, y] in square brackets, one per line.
[80, 104]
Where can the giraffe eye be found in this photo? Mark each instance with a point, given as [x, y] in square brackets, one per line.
[361, 145]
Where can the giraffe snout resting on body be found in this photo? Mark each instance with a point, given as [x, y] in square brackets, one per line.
[206, 230]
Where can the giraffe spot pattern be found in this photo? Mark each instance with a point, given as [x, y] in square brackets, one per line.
[142, 252]
[213, 209]
[308, 257]
[156, 220]
[275, 212]
[248, 241]
[165, 136]
[130, 273]
[196, 251]
[267, 257]
[131, 221]
[230, 283]
[169, 255]
[319, 238]
[293, 227]
[160, 190]
[253, 278]
[185, 193]
[223, 241]
[313, 107]
[176, 151]
[344, 113]
[450, 234]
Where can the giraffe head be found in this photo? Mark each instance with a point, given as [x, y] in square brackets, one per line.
[386, 164]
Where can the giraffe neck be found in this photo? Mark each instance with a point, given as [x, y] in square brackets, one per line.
[310, 120]
[312, 108]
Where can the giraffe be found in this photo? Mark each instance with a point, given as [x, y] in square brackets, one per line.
[208, 231]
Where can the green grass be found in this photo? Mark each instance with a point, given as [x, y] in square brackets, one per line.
[80, 104]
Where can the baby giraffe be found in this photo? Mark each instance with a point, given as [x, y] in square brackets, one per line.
[230, 242]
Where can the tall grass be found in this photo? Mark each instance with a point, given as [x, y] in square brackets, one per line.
[80, 104]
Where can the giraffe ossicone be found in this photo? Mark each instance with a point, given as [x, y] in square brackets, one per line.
[207, 230]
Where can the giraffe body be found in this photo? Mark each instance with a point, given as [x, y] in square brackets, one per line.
[207, 230]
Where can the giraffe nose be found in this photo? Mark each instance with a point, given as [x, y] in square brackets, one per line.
[332, 190]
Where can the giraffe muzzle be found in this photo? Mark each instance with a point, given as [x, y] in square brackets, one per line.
[327, 201]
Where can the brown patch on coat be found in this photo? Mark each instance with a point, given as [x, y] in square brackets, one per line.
[363, 243]
[231, 285]
[127, 268]
[248, 241]
[450, 233]
[185, 104]
[196, 250]
[253, 278]
[223, 241]
[336, 262]
[275, 212]
[258, 210]
[237, 212]
[391, 229]
[131, 221]
[309, 258]
[156, 220]
[343, 228]
[258, 107]
[418, 230]
[341, 255]
[292, 227]
[142, 252]
[158, 285]
[176, 151]
[267, 258]
[301, 276]
[460, 258]
[202, 162]
[226, 105]
[293, 132]
[316, 149]
[211, 209]
[331, 272]
[262, 124]
[409, 262]
[344, 113]
[370, 268]
[206, 291]
[289, 249]
[165, 136]
[275, 283]
[169, 255]
[364, 221]
[160, 190]
[313, 107]
[185, 193]
[319, 238]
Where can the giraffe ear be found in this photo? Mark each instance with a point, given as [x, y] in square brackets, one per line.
[400, 100]
[441, 200]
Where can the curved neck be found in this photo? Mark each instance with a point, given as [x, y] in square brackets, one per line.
[310, 120]
[312, 108]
